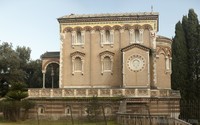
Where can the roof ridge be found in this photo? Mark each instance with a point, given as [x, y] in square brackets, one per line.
[109, 14]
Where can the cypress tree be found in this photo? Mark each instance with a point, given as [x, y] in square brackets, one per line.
[193, 52]
[186, 64]
[179, 62]
[198, 55]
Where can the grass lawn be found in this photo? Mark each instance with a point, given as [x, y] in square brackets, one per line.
[45, 122]
[50, 122]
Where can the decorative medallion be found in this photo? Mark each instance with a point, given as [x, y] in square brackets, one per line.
[136, 63]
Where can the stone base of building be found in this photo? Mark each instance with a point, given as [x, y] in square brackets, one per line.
[76, 107]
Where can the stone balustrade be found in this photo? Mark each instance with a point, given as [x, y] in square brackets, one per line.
[100, 92]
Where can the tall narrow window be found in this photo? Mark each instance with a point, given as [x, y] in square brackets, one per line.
[107, 110]
[137, 36]
[77, 64]
[67, 110]
[79, 39]
[107, 37]
[107, 63]
[85, 111]
[132, 36]
[108, 40]
[40, 110]
[168, 63]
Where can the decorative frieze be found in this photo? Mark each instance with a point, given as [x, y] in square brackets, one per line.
[117, 92]
[81, 92]
[105, 92]
[130, 92]
[143, 92]
[45, 92]
[90, 92]
[57, 92]
[93, 92]
[69, 92]
[164, 93]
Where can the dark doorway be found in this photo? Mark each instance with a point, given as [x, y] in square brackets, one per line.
[52, 76]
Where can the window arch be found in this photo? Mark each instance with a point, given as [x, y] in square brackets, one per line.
[78, 38]
[77, 62]
[67, 110]
[132, 36]
[85, 111]
[41, 110]
[107, 110]
[106, 62]
[137, 36]
[107, 36]
[168, 63]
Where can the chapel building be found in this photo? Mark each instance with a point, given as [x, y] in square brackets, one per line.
[109, 56]
[114, 51]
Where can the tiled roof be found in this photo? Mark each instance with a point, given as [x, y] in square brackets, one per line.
[51, 55]
[163, 37]
[109, 15]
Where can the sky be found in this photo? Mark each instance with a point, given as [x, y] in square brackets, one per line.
[33, 23]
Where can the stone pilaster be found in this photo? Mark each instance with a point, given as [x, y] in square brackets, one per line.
[62, 38]
[141, 35]
[154, 56]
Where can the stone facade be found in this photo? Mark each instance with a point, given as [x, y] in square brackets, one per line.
[119, 39]
[110, 55]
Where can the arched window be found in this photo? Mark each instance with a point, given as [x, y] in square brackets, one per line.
[107, 64]
[137, 36]
[108, 40]
[67, 110]
[107, 37]
[77, 64]
[85, 111]
[107, 110]
[40, 110]
[79, 40]
[168, 63]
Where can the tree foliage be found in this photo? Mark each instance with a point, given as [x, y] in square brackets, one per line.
[12, 104]
[16, 73]
[186, 57]
[180, 52]
[16, 67]
[93, 109]
[34, 73]
[186, 60]
[17, 91]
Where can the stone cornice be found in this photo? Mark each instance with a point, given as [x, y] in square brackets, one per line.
[108, 17]
[135, 45]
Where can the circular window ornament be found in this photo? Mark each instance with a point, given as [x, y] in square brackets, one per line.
[136, 63]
